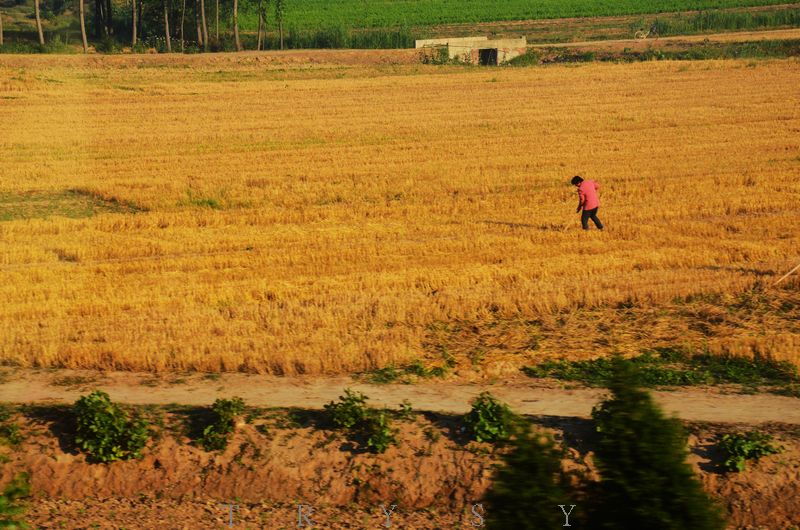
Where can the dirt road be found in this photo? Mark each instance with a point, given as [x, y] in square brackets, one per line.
[528, 396]
[739, 36]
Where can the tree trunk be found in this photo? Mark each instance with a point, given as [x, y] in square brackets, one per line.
[236, 25]
[99, 19]
[109, 18]
[216, 26]
[133, 24]
[260, 40]
[280, 31]
[183, 17]
[205, 25]
[166, 26]
[1, 28]
[139, 18]
[81, 10]
[197, 21]
[38, 21]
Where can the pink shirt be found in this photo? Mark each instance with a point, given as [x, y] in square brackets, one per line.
[587, 193]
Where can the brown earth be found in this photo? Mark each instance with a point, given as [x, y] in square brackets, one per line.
[683, 40]
[320, 59]
[278, 461]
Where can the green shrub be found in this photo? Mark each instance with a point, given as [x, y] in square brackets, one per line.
[9, 431]
[641, 458]
[438, 55]
[10, 502]
[10, 434]
[215, 435]
[407, 373]
[406, 412]
[350, 410]
[742, 446]
[529, 486]
[365, 425]
[670, 367]
[529, 58]
[377, 431]
[105, 431]
[107, 45]
[490, 420]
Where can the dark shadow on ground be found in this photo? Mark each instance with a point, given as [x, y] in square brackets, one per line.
[58, 419]
[548, 227]
[742, 270]
[451, 425]
[578, 433]
[193, 419]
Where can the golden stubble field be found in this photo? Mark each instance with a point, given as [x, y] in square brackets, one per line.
[324, 217]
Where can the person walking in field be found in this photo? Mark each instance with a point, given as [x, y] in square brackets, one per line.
[589, 202]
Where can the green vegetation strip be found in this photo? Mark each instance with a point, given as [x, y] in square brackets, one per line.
[667, 367]
[312, 14]
[708, 21]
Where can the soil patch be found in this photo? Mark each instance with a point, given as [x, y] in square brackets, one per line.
[279, 460]
[74, 204]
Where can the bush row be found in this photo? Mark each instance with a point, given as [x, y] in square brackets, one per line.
[640, 456]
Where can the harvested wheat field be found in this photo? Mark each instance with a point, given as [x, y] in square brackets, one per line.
[289, 214]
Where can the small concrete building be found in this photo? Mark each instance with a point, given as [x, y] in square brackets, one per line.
[477, 50]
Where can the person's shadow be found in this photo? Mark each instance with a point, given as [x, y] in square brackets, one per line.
[550, 227]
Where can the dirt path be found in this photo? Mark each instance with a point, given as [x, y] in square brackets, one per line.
[741, 36]
[525, 395]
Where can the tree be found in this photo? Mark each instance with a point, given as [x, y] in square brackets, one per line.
[260, 25]
[140, 18]
[183, 16]
[103, 18]
[38, 21]
[109, 18]
[198, 23]
[133, 22]
[530, 488]
[263, 7]
[203, 21]
[166, 26]
[1, 28]
[216, 22]
[236, 25]
[82, 15]
[280, 11]
[645, 481]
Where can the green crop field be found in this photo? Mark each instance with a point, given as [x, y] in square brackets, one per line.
[389, 23]
[311, 14]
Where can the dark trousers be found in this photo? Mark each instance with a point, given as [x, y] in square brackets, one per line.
[590, 214]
